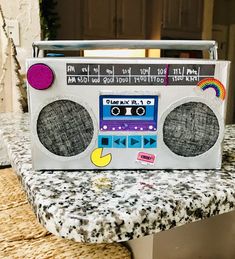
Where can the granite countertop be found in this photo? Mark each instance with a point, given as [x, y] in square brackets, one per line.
[119, 205]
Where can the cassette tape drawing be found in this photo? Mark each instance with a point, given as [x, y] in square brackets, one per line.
[107, 113]
[128, 112]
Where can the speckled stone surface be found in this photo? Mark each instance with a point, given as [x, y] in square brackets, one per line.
[110, 206]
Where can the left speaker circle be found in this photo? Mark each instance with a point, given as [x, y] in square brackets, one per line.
[40, 76]
[65, 128]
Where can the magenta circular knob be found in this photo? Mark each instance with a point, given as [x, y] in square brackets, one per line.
[40, 76]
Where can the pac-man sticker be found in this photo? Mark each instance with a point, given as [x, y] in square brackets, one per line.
[98, 159]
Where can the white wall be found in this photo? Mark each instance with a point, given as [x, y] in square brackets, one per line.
[26, 12]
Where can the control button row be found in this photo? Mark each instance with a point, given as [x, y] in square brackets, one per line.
[134, 141]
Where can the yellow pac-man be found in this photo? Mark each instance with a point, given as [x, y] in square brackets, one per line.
[98, 160]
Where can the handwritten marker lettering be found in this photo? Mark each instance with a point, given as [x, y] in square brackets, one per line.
[138, 74]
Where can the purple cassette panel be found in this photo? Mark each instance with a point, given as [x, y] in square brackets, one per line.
[124, 125]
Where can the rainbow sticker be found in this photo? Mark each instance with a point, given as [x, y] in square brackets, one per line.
[214, 84]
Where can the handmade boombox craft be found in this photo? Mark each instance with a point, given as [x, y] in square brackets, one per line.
[126, 113]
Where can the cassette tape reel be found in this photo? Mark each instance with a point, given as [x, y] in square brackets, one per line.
[128, 110]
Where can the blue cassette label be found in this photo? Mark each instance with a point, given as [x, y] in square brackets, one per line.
[128, 113]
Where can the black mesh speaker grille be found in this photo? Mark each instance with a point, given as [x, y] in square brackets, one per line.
[190, 129]
[65, 128]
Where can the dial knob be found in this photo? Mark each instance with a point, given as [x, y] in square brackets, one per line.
[40, 76]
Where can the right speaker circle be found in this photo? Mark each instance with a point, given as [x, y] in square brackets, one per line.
[191, 129]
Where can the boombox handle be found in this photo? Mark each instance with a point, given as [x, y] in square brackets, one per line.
[211, 46]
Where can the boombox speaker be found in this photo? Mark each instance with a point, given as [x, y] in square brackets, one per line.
[126, 113]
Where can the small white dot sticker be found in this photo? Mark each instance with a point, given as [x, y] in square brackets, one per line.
[151, 127]
[105, 127]
[136, 127]
[120, 127]
[113, 128]
[141, 128]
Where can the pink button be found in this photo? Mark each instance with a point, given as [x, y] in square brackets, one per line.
[40, 76]
[145, 157]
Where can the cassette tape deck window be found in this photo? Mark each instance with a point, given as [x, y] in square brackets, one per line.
[128, 113]
[125, 113]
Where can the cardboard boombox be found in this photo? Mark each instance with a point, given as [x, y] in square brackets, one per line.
[126, 113]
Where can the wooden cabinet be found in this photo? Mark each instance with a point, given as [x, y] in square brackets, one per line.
[99, 19]
[131, 19]
[191, 15]
[114, 19]
[182, 19]
[171, 15]
[69, 20]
